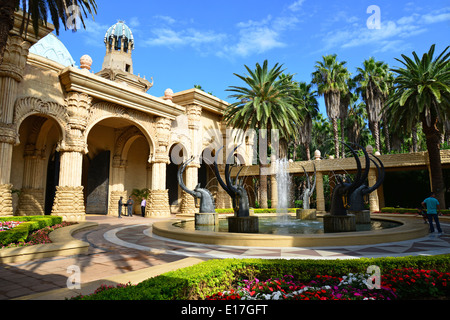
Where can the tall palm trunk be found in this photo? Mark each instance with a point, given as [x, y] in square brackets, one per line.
[432, 136]
[336, 136]
[6, 23]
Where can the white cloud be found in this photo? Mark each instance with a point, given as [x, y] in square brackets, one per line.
[188, 37]
[296, 6]
[134, 22]
[94, 33]
[392, 35]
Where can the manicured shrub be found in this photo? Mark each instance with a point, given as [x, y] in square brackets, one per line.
[29, 224]
[213, 276]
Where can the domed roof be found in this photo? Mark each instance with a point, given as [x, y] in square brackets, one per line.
[120, 30]
[52, 48]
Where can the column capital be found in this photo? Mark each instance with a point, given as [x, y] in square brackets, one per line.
[78, 105]
[8, 134]
[14, 58]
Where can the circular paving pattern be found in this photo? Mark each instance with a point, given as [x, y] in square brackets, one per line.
[140, 237]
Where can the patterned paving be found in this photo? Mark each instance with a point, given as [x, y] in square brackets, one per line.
[140, 237]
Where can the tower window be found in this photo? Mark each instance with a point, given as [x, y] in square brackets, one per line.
[127, 68]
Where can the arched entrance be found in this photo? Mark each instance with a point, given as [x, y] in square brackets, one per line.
[116, 165]
[35, 165]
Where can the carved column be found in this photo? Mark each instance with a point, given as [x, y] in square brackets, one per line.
[274, 191]
[373, 196]
[31, 200]
[158, 199]
[194, 113]
[117, 187]
[69, 198]
[11, 73]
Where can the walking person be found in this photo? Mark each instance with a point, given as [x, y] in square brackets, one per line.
[130, 203]
[143, 203]
[432, 206]
[120, 207]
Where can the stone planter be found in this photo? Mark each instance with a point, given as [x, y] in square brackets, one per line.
[334, 223]
[306, 214]
[243, 224]
[361, 217]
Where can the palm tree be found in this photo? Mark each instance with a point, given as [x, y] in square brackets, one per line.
[36, 12]
[309, 110]
[266, 102]
[422, 93]
[374, 83]
[347, 97]
[330, 77]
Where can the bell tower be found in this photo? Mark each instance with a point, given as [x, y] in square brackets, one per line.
[118, 63]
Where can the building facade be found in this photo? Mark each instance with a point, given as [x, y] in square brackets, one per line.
[72, 142]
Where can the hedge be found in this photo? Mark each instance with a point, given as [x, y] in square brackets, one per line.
[256, 210]
[209, 277]
[21, 232]
[408, 210]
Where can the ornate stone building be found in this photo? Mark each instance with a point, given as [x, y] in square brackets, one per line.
[73, 142]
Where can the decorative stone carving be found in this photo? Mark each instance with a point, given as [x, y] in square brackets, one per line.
[6, 208]
[69, 203]
[31, 202]
[103, 110]
[157, 204]
[14, 58]
[86, 62]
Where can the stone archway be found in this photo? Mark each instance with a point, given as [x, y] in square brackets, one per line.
[120, 149]
[34, 163]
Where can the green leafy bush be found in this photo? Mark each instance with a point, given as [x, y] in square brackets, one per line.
[209, 277]
[21, 232]
[407, 210]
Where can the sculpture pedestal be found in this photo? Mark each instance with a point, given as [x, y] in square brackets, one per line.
[306, 214]
[243, 224]
[361, 217]
[206, 219]
[334, 223]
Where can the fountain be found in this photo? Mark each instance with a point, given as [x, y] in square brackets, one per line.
[241, 222]
[336, 228]
[207, 215]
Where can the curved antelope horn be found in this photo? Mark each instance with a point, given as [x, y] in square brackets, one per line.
[237, 175]
[227, 171]
[381, 174]
[180, 176]
[216, 172]
[360, 176]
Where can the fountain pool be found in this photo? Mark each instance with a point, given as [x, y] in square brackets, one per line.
[287, 225]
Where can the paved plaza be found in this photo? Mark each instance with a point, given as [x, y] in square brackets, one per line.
[124, 250]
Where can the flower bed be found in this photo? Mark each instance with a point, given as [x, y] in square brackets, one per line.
[8, 225]
[235, 279]
[40, 236]
[406, 283]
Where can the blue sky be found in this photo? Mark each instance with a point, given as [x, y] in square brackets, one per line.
[183, 43]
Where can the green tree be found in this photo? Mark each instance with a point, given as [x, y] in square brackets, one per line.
[309, 110]
[422, 94]
[36, 12]
[330, 76]
[374, 81]
[267, 101]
